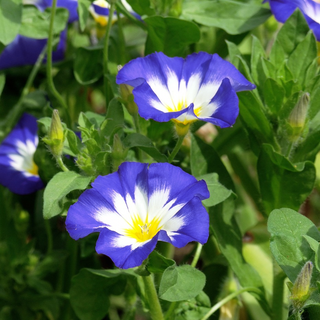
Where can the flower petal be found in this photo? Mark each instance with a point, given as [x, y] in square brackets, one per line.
[91, 213]
[124, 255]
[18, 171]
[223, 109]
[189, 224]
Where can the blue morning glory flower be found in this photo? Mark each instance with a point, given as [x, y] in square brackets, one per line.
[19, 173]
[136, 206]
[25, 51]
[202, 86]
[283, 9]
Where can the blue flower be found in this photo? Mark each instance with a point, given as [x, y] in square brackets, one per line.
[283, 9]
[202, 86]
[19, 173]
[99, 10]
[136, 206]
[25, 51]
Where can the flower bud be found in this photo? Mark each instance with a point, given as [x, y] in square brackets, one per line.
[300, 290]
[55, 136]
[298, 116]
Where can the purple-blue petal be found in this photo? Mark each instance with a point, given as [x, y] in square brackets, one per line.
[81, 220]
[124, 257]
[143, 95]
[195, 228]
[228, 106]
[183, 186]
[70, 5]
[25, 51]
[283, 9]
[123, 181]
[15, 180]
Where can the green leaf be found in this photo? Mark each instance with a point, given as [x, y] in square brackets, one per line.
[273, 95]
[255, 121]
[170, 35]
[283, 184]
[290, 35]
[88, 65]
[302, 57]
[10, 20]
[232, 16]
[2, 82]
[288, 245]
[58, 187]
[181, 283]
[234, 51]
[74, 143]
[315, 247]
[35, 23]
[157, 263]
[228, 235]
[145, 144]
[218, 193]
[114, 120]
[83, 10]
[142, 7]
[257, 52]
[90, 290]
[35, 100]
[204, 159]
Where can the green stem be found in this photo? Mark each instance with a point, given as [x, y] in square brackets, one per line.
[135, 117]
[122, 47]
[51, 85]
[176, 149]
[289, 150]
[49, 236]
[197, 255]
[171, 310]
[61, 164]
[106, 53]
[228, 298]
[16, 111]
[152, 297]
[33, 74]
[278, 290]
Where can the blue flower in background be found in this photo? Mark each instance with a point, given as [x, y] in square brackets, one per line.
[99, 10]
[24, 51]
[202, 86]
[283, 9]
[19, 173]
[137, 206]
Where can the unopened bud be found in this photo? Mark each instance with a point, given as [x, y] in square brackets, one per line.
[55, 136]
[301, 288]
[298, 116]
[118, 151]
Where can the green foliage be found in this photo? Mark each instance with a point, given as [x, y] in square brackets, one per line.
[87, 65]
[293, 241]
[10, 20]
[232, 16]
[170, 35]
[35, 24]
[283, 184]
[181, 283]
[90, 291]
[60, 186]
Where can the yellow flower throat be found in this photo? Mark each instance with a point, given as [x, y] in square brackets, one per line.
[143, 230]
